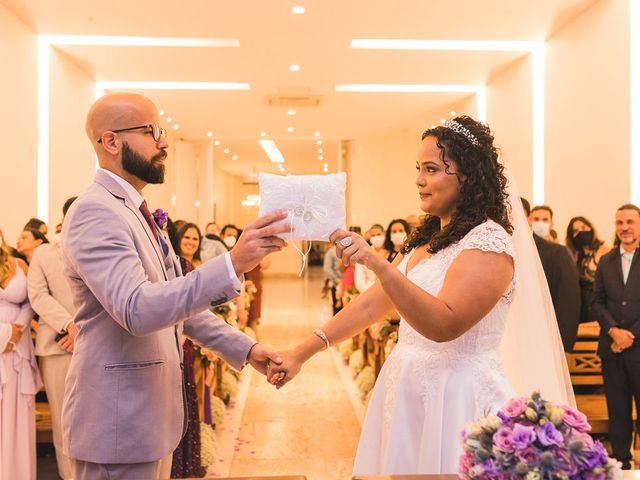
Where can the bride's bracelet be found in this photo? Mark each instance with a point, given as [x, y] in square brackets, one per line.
[323, 336]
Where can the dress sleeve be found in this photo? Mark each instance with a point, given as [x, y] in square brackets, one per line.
[489, 237]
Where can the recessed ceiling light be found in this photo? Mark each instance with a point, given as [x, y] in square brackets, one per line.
[176, 126]
[263, 134]
[442, 120]
[209, 134]
[317, 134]
[226, 150]
[319, 142]
[320, 150]
[169, 119]
[197, 203]
[291, 129]
[453, 113]
[298, 10]
[235, 157]
[216, 143]
[161, 112]
[320, 157]
[291, 112]
[294, 67]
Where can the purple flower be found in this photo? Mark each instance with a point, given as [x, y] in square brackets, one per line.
[502, 439]
[549, 435]
[160, 216]
[590, 458]
[523, 436]
[575, 419]
[529, 456]
[516, 407]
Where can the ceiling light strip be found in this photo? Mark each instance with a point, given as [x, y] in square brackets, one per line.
[272, 151]
[120, 85]
[408, 88]
[128, 41]
[452, 45]
[42, 177]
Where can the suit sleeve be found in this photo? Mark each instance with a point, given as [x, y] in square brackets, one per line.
[49, 309]
[214, 333]
[568, 298]
[599, 302]
[99, 248]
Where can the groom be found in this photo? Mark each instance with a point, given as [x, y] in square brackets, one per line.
[124, 409]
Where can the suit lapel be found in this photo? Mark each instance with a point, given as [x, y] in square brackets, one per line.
[116, 190]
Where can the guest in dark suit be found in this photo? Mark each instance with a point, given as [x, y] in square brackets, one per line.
[616, 306]
[563, 281]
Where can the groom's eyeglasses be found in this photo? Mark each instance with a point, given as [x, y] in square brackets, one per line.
[156, 131]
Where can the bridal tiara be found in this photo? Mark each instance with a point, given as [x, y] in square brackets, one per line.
[456, 127]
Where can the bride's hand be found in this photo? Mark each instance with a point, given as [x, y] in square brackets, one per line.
[352, 248]
[281, 374]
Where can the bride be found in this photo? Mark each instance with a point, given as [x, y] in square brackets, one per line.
[453, 287]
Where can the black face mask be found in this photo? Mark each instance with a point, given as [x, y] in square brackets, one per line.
[583, 239]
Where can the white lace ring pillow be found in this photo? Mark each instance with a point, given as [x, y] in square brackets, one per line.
[315, 203]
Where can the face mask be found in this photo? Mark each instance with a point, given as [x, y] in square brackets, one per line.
[583, 239]
[541, 229]
[398, 238]
[377, 241]
[229, 241]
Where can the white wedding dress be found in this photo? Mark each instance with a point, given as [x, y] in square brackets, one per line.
[428, 391]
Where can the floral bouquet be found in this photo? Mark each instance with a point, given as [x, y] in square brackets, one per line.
[534, 439]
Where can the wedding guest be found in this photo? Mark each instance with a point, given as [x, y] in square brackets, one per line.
[413, 221]
[562, 279]
[133, 302]
[616, 306]
[212, 229]
[541, 221]
[396, 234]
[587, 249]
[190, 239]
[230, 234]
[51, 298]
[365, 278]
[36, 224]
[12, 251]
[19, 376]
[331, 266]
[212, 245]
[28, 241]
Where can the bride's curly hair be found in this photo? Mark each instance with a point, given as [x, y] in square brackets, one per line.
[483, 185]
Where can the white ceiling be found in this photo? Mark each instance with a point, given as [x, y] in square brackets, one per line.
[271, 38]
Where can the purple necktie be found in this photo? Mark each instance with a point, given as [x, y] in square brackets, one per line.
[147, 216]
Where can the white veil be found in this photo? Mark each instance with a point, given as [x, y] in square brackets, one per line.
[531, 349]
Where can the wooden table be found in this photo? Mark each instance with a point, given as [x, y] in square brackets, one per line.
[589, 330]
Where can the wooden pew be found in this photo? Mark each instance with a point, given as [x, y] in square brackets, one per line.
[44, 433]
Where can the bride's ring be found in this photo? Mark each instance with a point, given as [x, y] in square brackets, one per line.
[346, 242]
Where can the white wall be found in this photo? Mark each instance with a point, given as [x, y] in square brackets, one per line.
[18, 136]
[587, 117]
[71, 156]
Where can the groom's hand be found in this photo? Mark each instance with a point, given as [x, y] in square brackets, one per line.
[257, 241]
[261, 357]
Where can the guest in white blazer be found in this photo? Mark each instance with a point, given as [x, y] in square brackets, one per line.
[51, 298]
[123, 410]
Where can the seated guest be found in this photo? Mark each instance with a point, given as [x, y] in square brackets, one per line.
[541, 221]
[587, 249]
[365, 278]
[28, 241]
[562, 278]
[396, 234]
[51, 298]
[36, 224]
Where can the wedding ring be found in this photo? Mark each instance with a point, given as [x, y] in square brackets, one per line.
[346, 242]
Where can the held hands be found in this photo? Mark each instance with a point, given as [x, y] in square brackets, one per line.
[622, 339]
[261, 358]
[258, 240]
[281, 374]
[16, 334]
[352, 248]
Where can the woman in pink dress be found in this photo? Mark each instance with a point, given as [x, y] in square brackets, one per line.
[19, 377]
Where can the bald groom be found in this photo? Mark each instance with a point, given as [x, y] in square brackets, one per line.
[124, 410]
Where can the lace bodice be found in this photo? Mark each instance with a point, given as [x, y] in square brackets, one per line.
[429, 274]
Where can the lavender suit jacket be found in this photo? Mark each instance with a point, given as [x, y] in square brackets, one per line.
[124, 395]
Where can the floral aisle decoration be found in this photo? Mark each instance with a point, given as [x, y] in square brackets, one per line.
[346, 349]
[229, 386]
[208, 445]
[365, 380]
[534, 439]
[349, 295]
[356, 362]
[392, 341]
[218, 410]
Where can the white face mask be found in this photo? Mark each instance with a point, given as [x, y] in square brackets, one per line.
[398, 238]
[229, 241]
[377, 241]
[541, 229]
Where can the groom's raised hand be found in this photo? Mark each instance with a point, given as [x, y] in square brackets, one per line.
[257, 241]
[261, 358]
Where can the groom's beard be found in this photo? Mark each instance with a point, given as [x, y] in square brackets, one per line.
[149, 171]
